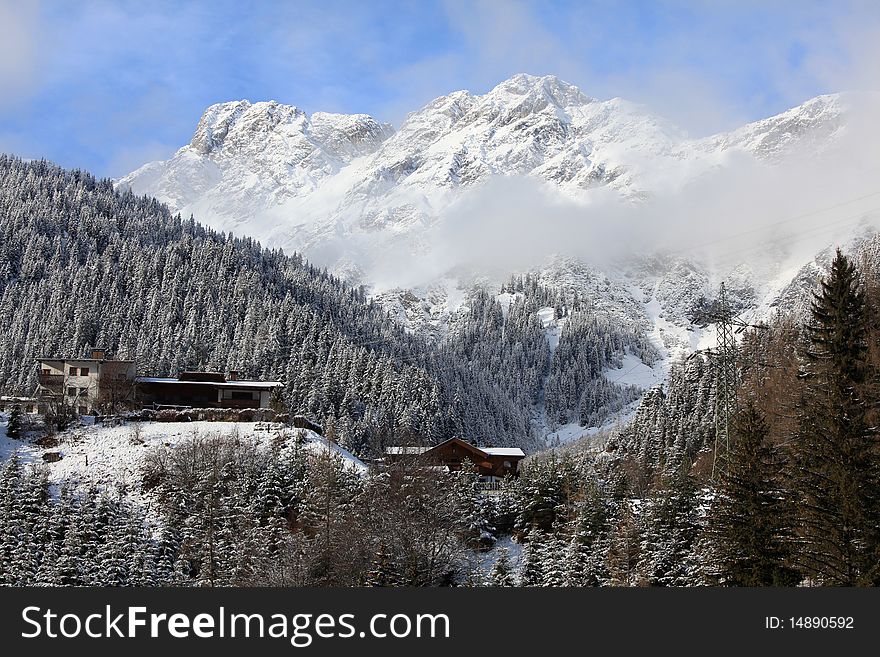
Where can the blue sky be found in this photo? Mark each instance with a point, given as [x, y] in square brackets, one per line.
[108, 86]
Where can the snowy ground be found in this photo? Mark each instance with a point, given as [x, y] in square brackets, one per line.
[565, 434]
[95, 455]
[552, 326]
[485, 560]
[506, 299]
[570, 433]
[633, 372]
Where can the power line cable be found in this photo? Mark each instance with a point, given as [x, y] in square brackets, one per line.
[814, 231]
[776, 223]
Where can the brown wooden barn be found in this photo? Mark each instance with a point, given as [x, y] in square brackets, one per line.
[492, 463]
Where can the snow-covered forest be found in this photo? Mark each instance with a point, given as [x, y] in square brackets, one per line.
[798, 500]
[81, 265]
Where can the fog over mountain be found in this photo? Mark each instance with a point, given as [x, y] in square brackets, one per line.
[532, 168]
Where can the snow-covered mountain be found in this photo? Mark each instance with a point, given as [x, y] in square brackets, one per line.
[246, 159]
[345, 188]
[359, 197]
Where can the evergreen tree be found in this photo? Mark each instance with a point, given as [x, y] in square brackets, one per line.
[624, 551]
[836, 456]
[532, 572]
[749, 532]
[553, 559]
[474, 527]
[502, 571]
[382, 571]
[15, 424]
[590, 540]
[672, 527]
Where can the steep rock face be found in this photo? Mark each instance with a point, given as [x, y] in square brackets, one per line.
[245, 159]
[538, 126]
[813, 125]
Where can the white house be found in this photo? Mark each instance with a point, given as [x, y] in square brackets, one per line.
[94, 384]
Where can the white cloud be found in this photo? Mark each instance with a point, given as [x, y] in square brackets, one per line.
[742, 210]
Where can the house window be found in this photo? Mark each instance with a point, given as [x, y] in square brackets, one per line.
[83, 391]
[82, 410]
[238, 394]
[46, 370]
[71, 392]
[72, 371]
[83, 371]
[507, 464]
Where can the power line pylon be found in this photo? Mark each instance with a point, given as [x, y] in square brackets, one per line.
[726, 384]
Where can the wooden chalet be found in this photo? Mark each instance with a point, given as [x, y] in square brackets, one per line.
[492, 463]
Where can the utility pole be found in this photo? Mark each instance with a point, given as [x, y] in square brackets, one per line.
[726, 384]
[725, 359]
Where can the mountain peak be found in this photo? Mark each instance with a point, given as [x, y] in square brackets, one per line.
[549, 87]
[220, 119]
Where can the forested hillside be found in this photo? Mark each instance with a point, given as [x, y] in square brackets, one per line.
[795, 499]
[555, 371]
[82, 264]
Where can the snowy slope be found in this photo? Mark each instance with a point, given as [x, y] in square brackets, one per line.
[94, 455]
[813, 126]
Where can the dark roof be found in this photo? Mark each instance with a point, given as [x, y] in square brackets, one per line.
[216, 384]
[88, 360]
[216, 377]
[486, 451]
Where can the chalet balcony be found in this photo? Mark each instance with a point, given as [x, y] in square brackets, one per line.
[51, 380]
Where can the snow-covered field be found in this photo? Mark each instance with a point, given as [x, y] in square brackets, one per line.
[633, 372]
[101, 456]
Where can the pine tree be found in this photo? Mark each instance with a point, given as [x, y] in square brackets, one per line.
[473, 526]
[590, 540]
[10, 484]
[836, 457]
[672, 527]
[749, 532]
[382, 571]
[553, 559]
[624, 551]
[532, 572]
[15, 425]
[166, 551]
[502, 572]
